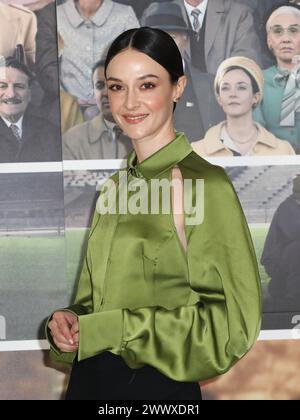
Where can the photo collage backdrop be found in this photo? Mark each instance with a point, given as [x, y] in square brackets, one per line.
[68, 144]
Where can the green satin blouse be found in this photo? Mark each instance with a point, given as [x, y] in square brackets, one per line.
[190, 314]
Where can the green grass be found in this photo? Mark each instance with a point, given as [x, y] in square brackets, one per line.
[33, 263]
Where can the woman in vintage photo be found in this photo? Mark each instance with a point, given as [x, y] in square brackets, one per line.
[239, 86]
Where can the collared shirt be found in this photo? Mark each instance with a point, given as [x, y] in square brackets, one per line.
[202, 7]
[86, 40]
[215, 143]
[228, 142]
[162, 160]
[19, 124]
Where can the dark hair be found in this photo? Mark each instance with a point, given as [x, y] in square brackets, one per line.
[155, 43]
[16, 64]
[99, 63]
[254, 84]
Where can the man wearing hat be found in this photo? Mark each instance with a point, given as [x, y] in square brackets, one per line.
[222, 29]
[24, 137]
[282, 250]
[197, 109]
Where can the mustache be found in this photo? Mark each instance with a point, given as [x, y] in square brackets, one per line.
[12, 101]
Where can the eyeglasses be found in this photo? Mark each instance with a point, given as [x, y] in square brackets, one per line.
[278, 31]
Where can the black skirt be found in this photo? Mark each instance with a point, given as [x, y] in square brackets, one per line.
[107, 377]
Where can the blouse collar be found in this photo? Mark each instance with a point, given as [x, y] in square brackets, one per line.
[162, 160]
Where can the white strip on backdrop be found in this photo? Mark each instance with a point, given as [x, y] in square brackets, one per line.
[21, 345]
[116, 164]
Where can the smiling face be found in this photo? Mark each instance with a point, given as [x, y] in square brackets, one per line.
[14, 93]
[284, 38]
[236, 95]
[141, 95]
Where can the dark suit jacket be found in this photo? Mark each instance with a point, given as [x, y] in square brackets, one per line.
[210, 113]
[40, 142]
[229, 32]
[46, 65]
[46, 49]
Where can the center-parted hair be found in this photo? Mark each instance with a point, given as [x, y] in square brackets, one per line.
[153, 42]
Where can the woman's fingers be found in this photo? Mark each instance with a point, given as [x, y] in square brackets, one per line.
[60, 326]
[76, 338]
[65, 347]
[61, 323]
[75, 328]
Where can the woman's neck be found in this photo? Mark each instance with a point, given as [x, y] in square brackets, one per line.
[243, 132]
[242, 129]
[88, 8]
[147, 146]
[284, 65]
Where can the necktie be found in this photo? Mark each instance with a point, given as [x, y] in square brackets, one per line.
[196, 23]
[116, 133]
[15, 130]
[291, 96]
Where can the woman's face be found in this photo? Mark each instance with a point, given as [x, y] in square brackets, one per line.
[141, 94]
[236, 94]
[284, 38]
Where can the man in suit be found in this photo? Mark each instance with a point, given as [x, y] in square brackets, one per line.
[23, 136]
[281, 252]
[18, 26]
[99, 138]
[221, 29]
[197, 109]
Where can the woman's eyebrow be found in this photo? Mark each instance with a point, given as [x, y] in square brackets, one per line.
[114, 79]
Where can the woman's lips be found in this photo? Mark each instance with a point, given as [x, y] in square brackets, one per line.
[135, 119]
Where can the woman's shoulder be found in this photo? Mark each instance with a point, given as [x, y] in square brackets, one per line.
[269, 74]
[197, 167]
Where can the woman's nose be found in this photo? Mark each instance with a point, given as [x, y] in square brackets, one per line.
[131, 101]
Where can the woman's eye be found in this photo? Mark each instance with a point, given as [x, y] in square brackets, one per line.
[148, 85]
[115, 87]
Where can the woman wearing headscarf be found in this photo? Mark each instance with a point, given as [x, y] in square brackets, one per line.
[239, 88]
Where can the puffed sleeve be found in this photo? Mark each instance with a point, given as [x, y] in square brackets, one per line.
[222, 320]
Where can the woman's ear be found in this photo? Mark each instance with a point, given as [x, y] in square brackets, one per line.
[179, 89]
[219, 100]
[269, 43]
[256, 99]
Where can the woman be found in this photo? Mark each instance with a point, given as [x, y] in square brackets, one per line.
[239, 88]
[166, 298]
[279, 109]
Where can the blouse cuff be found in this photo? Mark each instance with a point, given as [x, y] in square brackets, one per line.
[99, 332]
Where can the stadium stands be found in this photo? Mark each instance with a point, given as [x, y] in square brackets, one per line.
[31, 201]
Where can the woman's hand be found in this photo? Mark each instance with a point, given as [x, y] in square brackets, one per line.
[64, 328]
